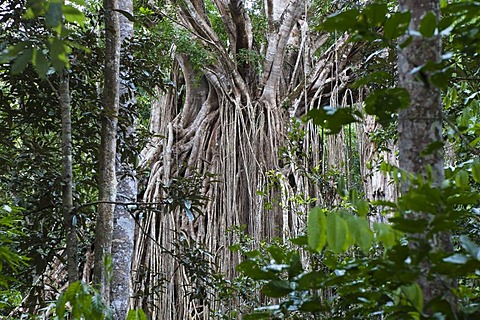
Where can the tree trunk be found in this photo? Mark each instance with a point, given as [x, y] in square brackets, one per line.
[229, 120]
[67, 179]
[419, 127]
[107, 157]
[123, 220]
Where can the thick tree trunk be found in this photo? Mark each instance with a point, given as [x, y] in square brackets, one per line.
[224, 119]
[107, 157]
[67, 179]
[123, 220]
[419, 127]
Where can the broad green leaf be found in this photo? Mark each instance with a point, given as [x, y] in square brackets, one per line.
[251, 269]
[12, 52]
[332, 119]
[61, 306]
[363, 208]
[428, 25]
[41, 63]
[276, 288]
[414, 294]
[22, 61]
[385, 234]
[316, 229]
[472, 248]
[476, 171]
[337, 232]
[396, 25]
[343, 21]
[58, 54]
[136, 314]
[409, 225]
[361, 232]
[380, 77]
[72, 14]
[295, 266]
[456, 258]
[53, 17]
[376, 13]
[311, 280]
[461, 179]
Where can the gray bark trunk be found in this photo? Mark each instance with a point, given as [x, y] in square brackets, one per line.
[107, 157]
[67, 179]
[123, 221]
[419, 126]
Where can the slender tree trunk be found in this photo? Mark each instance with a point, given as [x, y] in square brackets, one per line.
[123, 221]
[420, 126]
[108, 145]
[67, 177]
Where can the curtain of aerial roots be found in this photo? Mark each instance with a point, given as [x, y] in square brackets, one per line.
[210, 125]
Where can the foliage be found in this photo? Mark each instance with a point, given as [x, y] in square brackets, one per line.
[345, 268]
[366, 284]
[11, 261]
[80, 301]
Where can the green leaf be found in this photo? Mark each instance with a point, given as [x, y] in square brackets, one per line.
[384, 102]
[251, 269]
[476, 171]
[361, 231]
[316, 229]
[296, 267]
[337, 233]
[136, 314]
[385, 234]
[332, 119]
[53, 17]
[457, 258]
[376, 13]
[343, 21]
[409, 225]
[461, 179]
[428, 24]
[380, 77]
[58, 54]
[472, 248]
[72, 14]
[363, 208]
[126, 14]
[311, 280]
[414, 294]
[61, 306]
[276, 288]
[12, 52]
[22, 61]
[396, 25]
[41, 63]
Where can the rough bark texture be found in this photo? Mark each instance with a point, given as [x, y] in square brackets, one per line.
[123, 220]
[67, 179]
[419, 126]
[107, 157]
[230, 121]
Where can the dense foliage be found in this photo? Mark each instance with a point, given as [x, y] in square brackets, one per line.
[343, 266]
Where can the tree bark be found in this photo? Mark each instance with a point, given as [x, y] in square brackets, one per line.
[67, 179]
[419, 126]
[123, 220]
[107, 157]
[224, 120]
